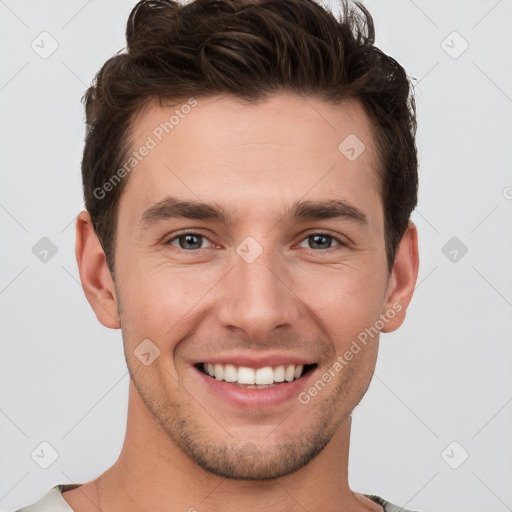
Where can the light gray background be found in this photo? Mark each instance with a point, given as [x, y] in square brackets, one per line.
[444, 376]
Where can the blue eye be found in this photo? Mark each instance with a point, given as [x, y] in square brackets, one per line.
[188, 240]
[192, 241]
[321, 240]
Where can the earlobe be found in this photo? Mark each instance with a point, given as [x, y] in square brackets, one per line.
[402, 279]
[96, 280]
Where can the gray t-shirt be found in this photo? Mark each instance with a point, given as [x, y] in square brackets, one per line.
[53, 501]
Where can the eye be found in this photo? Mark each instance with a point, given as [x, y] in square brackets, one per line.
[188, 240]
[322, 241]
[193, 241]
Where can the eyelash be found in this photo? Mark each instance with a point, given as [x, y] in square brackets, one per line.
[198, 233]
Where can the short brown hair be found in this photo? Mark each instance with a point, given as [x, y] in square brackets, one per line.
[249, 49]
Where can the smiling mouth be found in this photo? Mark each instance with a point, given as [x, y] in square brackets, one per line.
[255, 378]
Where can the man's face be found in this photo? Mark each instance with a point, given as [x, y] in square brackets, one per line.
[260, 288]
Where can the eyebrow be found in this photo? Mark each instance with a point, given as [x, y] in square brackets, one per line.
[172, 208]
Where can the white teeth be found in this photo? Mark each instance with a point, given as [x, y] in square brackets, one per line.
[264, 375]
[279, 374]
[245, 375]
[249, 377]
[219, 372]
[230, 373]
[289, 373]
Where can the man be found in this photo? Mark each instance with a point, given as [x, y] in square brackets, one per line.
[249, 173]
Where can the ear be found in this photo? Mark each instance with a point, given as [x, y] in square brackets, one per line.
[94, 273]
[402, 279]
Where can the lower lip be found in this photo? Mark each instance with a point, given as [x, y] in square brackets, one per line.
[256, 398]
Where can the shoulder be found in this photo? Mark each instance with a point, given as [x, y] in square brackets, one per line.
[52, 501]
[386, 505]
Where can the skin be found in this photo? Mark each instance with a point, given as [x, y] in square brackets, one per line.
[186, 448]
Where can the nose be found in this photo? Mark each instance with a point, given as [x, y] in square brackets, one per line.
[259, 296]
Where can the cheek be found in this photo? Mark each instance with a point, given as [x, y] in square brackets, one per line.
[346, 300]
[157, 301]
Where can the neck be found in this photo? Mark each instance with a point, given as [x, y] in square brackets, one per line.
[153, 474]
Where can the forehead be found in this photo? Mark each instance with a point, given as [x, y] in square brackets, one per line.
[220, 149]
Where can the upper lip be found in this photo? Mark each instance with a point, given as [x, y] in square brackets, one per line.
[257, 361]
